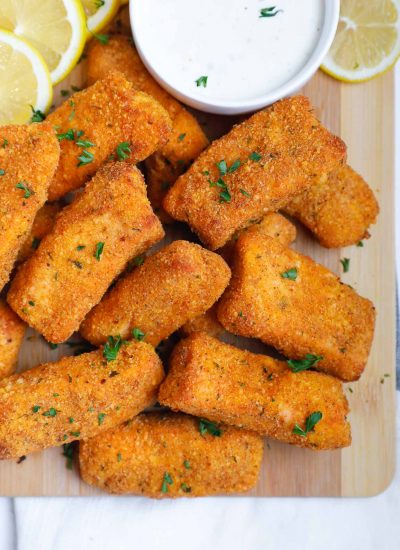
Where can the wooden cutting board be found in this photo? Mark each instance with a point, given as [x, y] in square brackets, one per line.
[363, 116]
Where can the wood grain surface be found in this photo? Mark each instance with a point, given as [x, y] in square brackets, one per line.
[363, 116]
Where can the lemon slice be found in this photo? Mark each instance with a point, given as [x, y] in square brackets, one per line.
[56, 28]
[99, 13]
[24, 80]
[367, 41]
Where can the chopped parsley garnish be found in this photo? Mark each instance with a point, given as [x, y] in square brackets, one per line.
[51, 412]
[290, 274]
[102, 38]
[119, 457]
[224, 195]
[76, 434]
[85, 158]
[223, 167]
[99, 251]
[80, 247]
[311, 421]
[84, 143]
[123, 150]
[112, 348]
[269, 12]
[202, 81]
[72, 114]
[52, 346]
[210, 427]
[2, 172]
[69, 135]
[167, 480]
[245, 193]
[4, 144]
[139, 260]
[186, 463]
[71, 420]
[31, 303]
[346, 264]
[181, 137]
[99, 3]
[68, 452]
[100, 418]
[24, 186]
[254, 156]
[185, 488]
[35, 243]
[36, 408]
[64, 93]
[360, 244]
[37, 115]
[138, 334]
[309, 361]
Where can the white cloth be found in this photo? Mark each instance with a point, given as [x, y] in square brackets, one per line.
[111, 523]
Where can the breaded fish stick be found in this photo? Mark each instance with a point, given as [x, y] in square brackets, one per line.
[207, 322]
[28, 158]
[179, 282]
[12, 331]
[110, 222]
[273, 224]
[256, 168]
[42, 224]
[187, 139]
[338, 209]
[210, 379]
[298, 306]
[164, 455]
[108, 120]
[76, 398]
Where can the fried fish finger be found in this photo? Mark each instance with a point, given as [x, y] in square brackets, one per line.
[110, 222]
[108, 119]
[167, 455]
[298, 306]
[42, 224]
[338, 209]
[187, 139]
[12, 331]
[76, 397]
[256, 168]
[179, 282]
[210, 379]
[28, 158]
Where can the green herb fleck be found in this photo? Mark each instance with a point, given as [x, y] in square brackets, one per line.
[99, 3]
[139, 260]
[346, 264]
[186, 463]
[112, 348]
[4, 144]
[181, 137]
[360, 244]
[2, 172]
[24, 186]
[52, 346]
[309, 361]
[77, 264]
[76, 434]
[269, 12]
[185, 488]
[85, 158]
[80, 247]
[99, 251]
[68, 452]
[119, 457]
[210, 427]
[37, 115]
[69, 135]
[245, 193]
[311, 421]
[254, 156]
[290, 274]
[36, 408]
[84, 143]
[100, 418]
[167, 480]
[102, 38]
[51, 412]
[31, 303]
[71, 420]
[123, 150]
[138, 334]
[202, 81]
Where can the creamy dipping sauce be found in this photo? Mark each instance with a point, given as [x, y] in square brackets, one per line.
[242, 54]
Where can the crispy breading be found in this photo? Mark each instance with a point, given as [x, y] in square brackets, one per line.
[102, 117]
[280, 150]
[28, 158]
[187, 139]
[210, 379]
[12, 331]
[207, 322]
[164, 455]
[76, 397]
[110, 222]
[179, 282]
[273, 224]
[298, 306]
[42, 224]
[338, 209]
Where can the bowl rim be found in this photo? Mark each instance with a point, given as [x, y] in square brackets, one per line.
[242, 106]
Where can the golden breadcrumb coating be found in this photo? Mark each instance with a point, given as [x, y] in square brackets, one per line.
[12, 331]
[42, 224]
[266, 160]
[273, 224]
[110, 222]
[338, 209]
[179, 282]
[76, 397]
[109, 113]
[298, 306]
[28, 158]
[210, 379]
[187, 139]
[164, 455]
[207, 322]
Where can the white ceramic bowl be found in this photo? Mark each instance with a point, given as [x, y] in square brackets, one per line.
[231, 107]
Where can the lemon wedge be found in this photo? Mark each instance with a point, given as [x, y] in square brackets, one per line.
[99, 13]
[367, 41]
[25, 82]
[56, 28]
